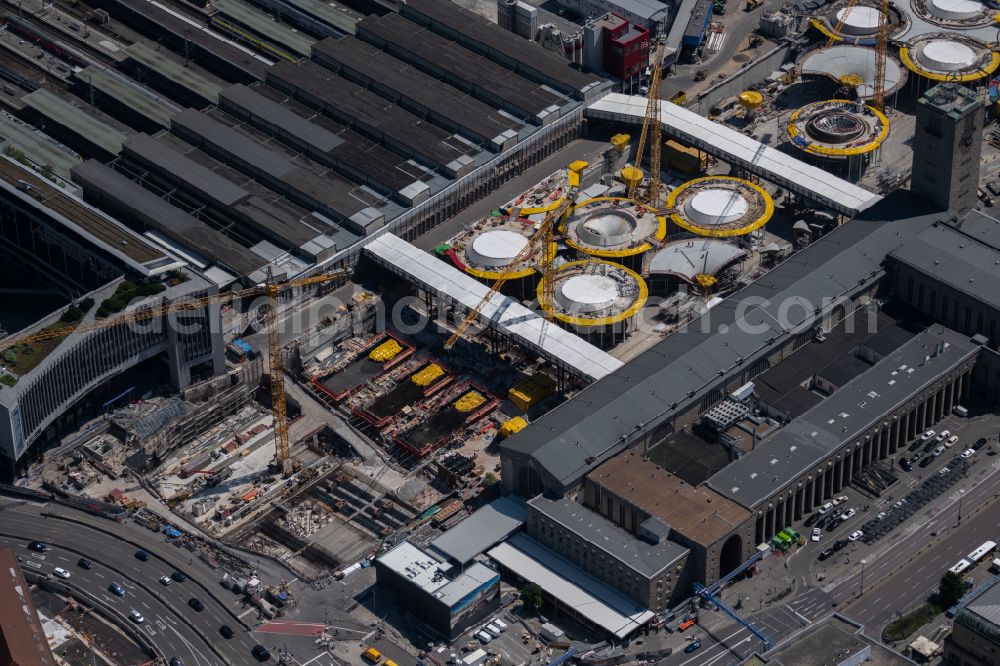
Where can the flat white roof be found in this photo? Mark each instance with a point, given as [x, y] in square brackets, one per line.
[507, 316]
[740, 150]
[573, 587]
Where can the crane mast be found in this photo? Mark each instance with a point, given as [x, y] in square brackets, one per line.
[544, 235]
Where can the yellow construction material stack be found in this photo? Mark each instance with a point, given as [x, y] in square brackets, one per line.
[385, 351]
[469, 401]
[681, 158]
[621, 141]
[427, 376]
[529, 392]
[511, 426]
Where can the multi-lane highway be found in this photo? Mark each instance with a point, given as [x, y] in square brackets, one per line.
[171, 623]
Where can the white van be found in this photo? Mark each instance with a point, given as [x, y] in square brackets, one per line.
[483, 637]
[492, 630]
[499, 624]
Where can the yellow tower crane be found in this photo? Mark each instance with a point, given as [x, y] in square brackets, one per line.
[544, 237]
[881, 50]
[651, 130]
[270, 289]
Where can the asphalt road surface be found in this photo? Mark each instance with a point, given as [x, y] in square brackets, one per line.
[172, 625]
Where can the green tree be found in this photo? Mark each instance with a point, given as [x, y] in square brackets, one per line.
[531, 595]
[489, 479]
[47, 171]
[950, 590]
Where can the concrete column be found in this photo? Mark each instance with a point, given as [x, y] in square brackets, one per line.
[922, 416]
[950, 404]
[810, 495]
[859, 461]
[828, 483]
[897, 429]
[769, 531]
[838, 474]
[848, 467]
[799, 499]
[759, 530]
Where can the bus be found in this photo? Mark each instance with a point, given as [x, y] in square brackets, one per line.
[960, 567]
[980, 553]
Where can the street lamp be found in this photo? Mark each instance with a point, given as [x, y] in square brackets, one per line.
[960, 498]
[863, 563]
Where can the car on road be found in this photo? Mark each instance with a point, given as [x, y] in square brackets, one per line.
[136, 616]
[165, 580]
[179, 576]
[915, 457]
[692, 646]
[929, 446]
[968, 453]
[944, 470]
[938, 451]
[943, 435]
[927, 435]
[226, 631]
[816, 534]
[37, 546]
[980, 443]
[260, 653]
[847, 515]
[855, 535]
[837, 501]
[951, 441]
[483, 637]
[141, 555]
[195, 604]
[839, 543]
[926, 461]
[823, 510]
[881, 515]
[84, 563]
[62, 573]
[116, 589]
[906, 465]
[811, 520]
[176, 661]
[826, 554]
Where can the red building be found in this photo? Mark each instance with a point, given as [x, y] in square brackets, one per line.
[623, 47]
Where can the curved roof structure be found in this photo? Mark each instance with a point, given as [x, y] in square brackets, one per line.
[857, 24]
[844, 63]
[720, 206]
[685, 259]
[487, 249]
[837, 128]
[613, 227]
[949, 56]
[593, 293]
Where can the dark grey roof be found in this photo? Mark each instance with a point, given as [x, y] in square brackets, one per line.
[984, 607]
[60, 111]
[262, 24]
[175, 72]
[252, 102]
[486, 527]
[367, 65]
[484, 36]
[367, 161]
[443, 58]
[581, 433]
[197, 127]
[179, 168]
[354, 105]
[644, 558]
[206, 46]
[114, 191]
[980, 226]
[848, 413]
[129, 93]
[843, 370]
[887, 340]
[952, 258]
[333, 194]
